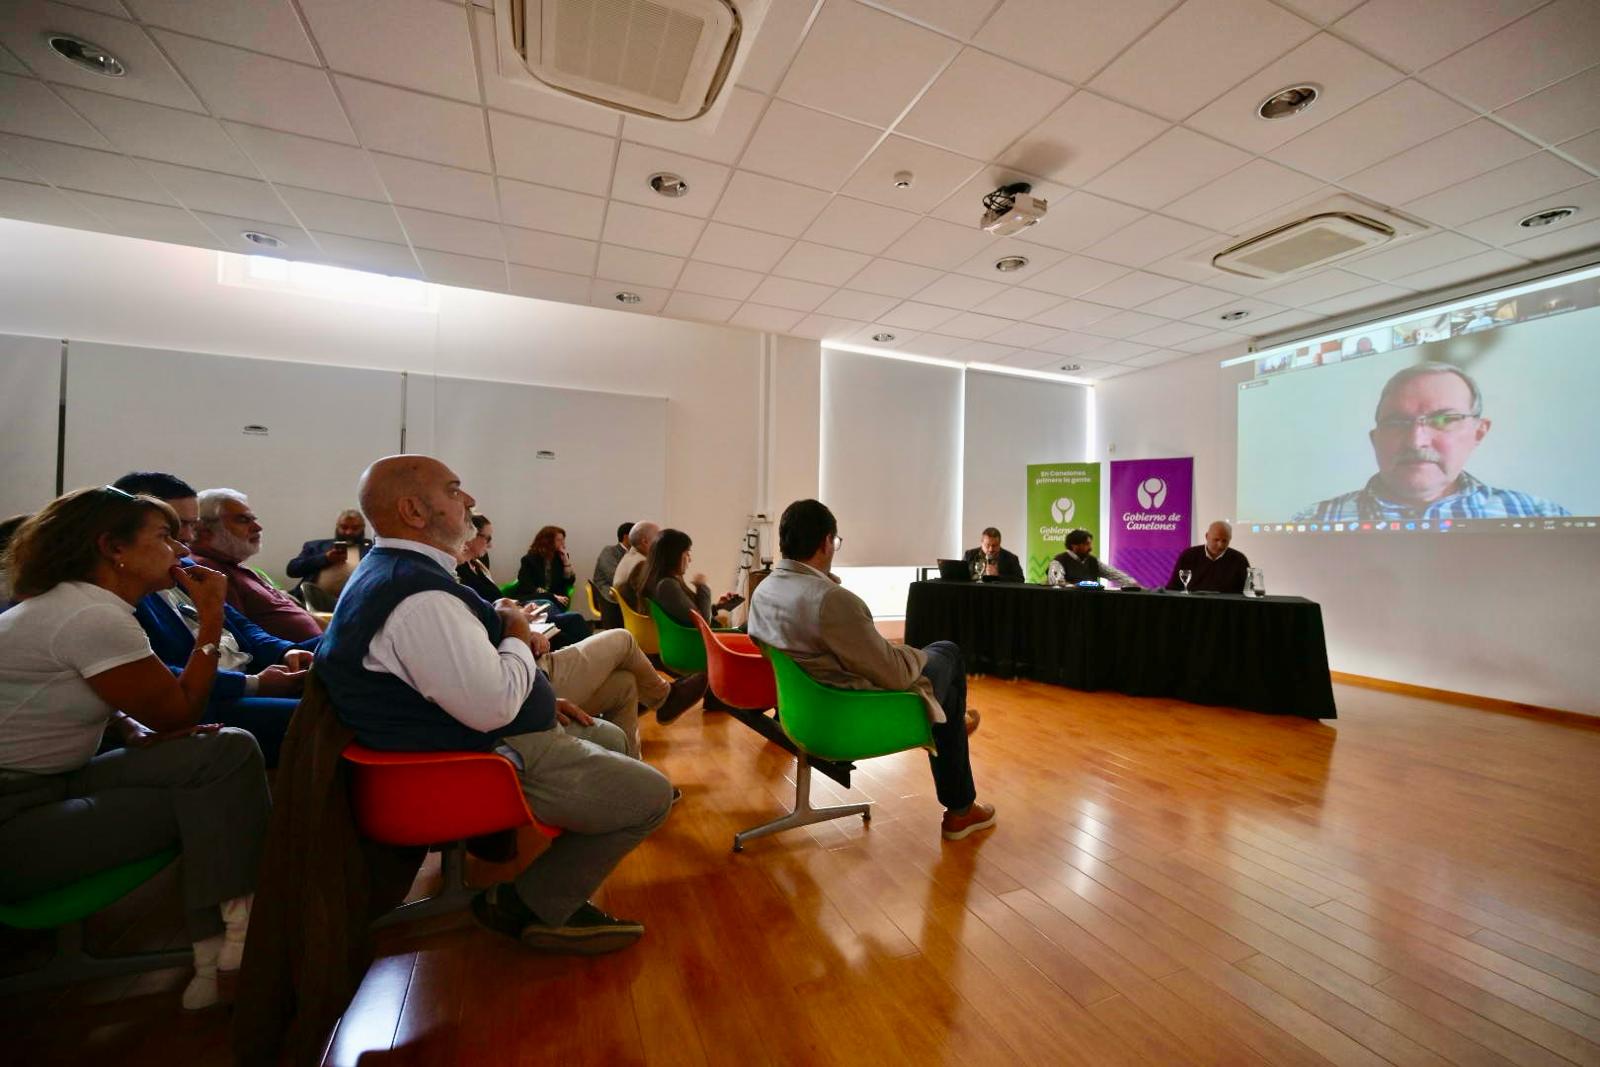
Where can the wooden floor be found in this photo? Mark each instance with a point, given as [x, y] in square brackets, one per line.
[1414, 883]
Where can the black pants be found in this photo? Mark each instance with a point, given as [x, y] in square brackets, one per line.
[952, 770]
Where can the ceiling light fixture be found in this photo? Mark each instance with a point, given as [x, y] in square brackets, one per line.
[1070, 367]
[669, 185]
[1007, 264]
[1233, 316]
[883, 338]
[626, 297]
[903, 179]
[1286, 103]
[265, 240]
[1548, 217]
[86, 54]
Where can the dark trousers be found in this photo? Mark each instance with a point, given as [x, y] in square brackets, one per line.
[952, 770]
[267, 718]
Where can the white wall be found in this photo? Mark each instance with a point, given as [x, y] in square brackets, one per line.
[1471, 614]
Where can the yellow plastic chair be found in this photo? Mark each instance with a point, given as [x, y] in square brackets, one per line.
[642, 627]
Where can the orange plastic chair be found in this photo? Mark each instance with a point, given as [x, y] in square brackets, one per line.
[736, 671]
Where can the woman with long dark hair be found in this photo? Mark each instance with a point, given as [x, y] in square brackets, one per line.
[546, 572]
[664, 582]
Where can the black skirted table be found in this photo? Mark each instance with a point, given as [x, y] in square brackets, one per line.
[1263, 653]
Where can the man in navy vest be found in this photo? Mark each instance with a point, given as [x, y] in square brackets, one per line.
[415, 661]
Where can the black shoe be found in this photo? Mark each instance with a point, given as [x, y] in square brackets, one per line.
[589, 932]
[685, 693]
[498, 908]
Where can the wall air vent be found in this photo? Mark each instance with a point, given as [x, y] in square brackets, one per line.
[661, 59]
[1330, 232]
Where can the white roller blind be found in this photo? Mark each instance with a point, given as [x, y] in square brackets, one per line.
[1011, 422]
[891, 457]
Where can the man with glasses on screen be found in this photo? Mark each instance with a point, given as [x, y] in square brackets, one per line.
[1429, 421]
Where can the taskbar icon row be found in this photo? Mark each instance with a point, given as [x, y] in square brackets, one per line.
[1432, 526]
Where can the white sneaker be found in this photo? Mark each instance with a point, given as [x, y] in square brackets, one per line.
[201, 992]
[236, 919]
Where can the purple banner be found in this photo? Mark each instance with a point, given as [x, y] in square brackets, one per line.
[1151, 520]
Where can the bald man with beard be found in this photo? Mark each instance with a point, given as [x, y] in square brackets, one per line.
[414, 661]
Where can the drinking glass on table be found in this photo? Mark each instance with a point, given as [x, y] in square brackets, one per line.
[977, 568]
[1184, 576]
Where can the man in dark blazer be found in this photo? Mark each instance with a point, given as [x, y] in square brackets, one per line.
[326, 564]
[997, 562]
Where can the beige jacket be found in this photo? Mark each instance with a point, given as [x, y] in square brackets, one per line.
[829, 632]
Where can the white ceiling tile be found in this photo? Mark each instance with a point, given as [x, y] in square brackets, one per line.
[792, 294]
[972, 326]
[85, 169]
[775, 44]
[1076, 275]
[959, 18]
[366, 37]
[551, 155]
[552, 251]
[15, 170]
[1147, 240]
[1082, 138]
[1283, 320]
[1323, 285]
[936, 345]
[985, 352]
[1560, 242]
[821, 264]
[1547, 46]
[1560, 112]
[164, 133]
[1098, 31]
[1172, 333]
[853, 305]
[149, 77]
[220, 194]
[1472, 149]
[269, 26]
[1535, 176]
[1374, 130]
[603, 293]
[654, 231]
[1120, 350]
[801, 145]
[1414, 33]
[1040, 258]
[702, 308]
[404, 123]
[1070, 343]
[1256, 309]
[1198, 52]
[888, 277]
[1585, 150]
[10, 64]
[1235, 198]
[1155, 359]
[1361, 298]
[539, 207]
[768, 204]
[451, 233]
[1344, 76]
[262, 90]
[959, 292]
[1468, 268]
[1018, 303]
[827, 327]
[864, 64]
[1178, 162]
[343, 215]
[880, 335]
[29, 108]
[637, 163]
[377, 257]
[1502, 229]
[1189, 301]
[1079, 220]
[709, 279]
[40, 203]
[1218, 340]
[859, 226]
[296, 160]
[1025, 335]
[439, 188]
[734, 246]
[768, 319]
[532, 100]
[1124, 324]
[153, 222]
[229, 231]
[1321, 12]
[980, 104]
[912, 315]
[1134, 290]
[549, 284]
[935, 175]
[721, 143]
[465, 272]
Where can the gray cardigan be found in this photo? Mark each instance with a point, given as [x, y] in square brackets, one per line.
[676, 602]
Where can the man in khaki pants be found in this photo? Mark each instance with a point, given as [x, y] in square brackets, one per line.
[608, 676]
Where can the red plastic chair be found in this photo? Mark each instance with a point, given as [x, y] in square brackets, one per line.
[436, 799]
[736, 671]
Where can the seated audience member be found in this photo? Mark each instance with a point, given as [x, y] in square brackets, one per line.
[629, 575]
[70, 655]
[1079, 564]
[546, 571]
[415, 662]
[664, 583]
[259, 677]
[605, 570]
[473, 570]
[997, 562]
[324, 566]
[8, 529]
[801, 609]
[227, 536]
[1213, 566]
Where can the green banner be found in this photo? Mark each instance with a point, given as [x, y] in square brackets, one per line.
[1062, 497]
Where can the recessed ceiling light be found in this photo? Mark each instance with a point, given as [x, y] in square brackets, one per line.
[1547, 217]
[883, 338]
[1289, 102]
[265, 240]
[1007, 264]
[903, 179]
[1071, 366]
[1233, 316]
[626, 297]
[670, 185]
[86, 54]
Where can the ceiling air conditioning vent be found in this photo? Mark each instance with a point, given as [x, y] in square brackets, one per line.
[1337, 230]
[663, 59]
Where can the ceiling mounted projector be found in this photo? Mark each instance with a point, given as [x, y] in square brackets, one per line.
[1009, 209]
[659, 59]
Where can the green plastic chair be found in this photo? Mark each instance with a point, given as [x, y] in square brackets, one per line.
[64, 910]
[841, 725]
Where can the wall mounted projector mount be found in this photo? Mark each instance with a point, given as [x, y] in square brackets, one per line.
[1009, 209]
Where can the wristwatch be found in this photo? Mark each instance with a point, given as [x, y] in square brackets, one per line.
[210, 648]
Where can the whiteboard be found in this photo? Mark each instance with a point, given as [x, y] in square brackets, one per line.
[30, 397]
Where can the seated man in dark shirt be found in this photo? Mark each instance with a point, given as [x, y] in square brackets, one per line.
[1213, 567]
[1079, 564]
[997, 562]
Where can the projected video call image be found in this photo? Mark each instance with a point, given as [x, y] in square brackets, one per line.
[1472, 418]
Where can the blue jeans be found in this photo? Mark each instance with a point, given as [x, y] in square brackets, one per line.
[952, 770]
[265, 717]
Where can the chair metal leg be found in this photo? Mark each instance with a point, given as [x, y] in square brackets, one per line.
[453, 895]
[72, 964]
[803, 813]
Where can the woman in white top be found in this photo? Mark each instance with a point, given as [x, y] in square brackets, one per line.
[71, 656]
